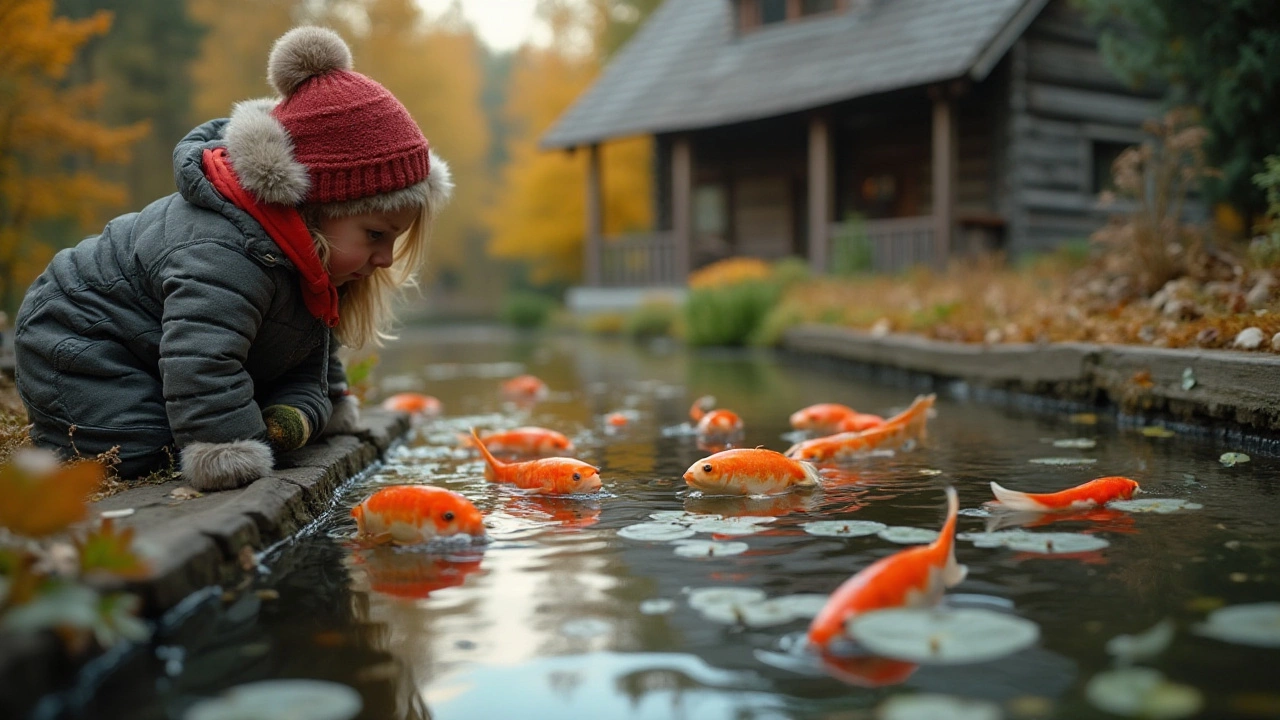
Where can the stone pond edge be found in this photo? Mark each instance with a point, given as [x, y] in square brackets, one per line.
[1210, 389]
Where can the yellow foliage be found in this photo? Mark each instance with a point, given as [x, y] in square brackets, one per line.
[729, 271]
[47, 134]
[232, 64]
[539, 212]
[36, 503]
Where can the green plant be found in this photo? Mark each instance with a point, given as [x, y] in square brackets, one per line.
[851, 247]
[1265, 248]
[604, 324]
[776, 322]
[729, 314]
[652, 319]
[526, 310]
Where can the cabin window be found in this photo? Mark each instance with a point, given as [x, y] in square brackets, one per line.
[817, 7]
[1105, 153]
[773, 11]
[753, 14]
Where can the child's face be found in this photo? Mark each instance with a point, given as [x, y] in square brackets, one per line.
[358, 244]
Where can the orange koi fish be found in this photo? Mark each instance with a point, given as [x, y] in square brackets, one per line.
[858, 422]
[823, 418]
[552, 476]
[524, 387]
[715, 423]
[616, 420]
[750, 471]
[411, 514]
[915, 577]
[868, 671]
[1093, 493]
[524, 441]
[414, 404]
[893, 433]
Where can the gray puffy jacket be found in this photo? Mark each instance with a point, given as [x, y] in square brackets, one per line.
[175, 326]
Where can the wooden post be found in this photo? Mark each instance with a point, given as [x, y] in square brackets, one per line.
[944, 175]
[821, 192]
[682, 204]
[595, 220]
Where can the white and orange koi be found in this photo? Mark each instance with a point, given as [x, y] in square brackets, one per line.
[551, 476]
[915, 577]
[713, 423]
[412, 514]
[527, 440]
[906, 426]
[1091, 494]
[750, 471]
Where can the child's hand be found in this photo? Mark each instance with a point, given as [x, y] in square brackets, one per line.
[287, 427]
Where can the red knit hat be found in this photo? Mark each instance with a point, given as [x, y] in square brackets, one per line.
[335, 137]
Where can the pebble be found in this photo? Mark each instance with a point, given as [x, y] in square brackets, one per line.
[1249, 338]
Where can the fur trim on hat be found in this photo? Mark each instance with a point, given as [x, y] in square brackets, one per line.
[261, 152]
[434, 192]
[303, 53]
[224, 466]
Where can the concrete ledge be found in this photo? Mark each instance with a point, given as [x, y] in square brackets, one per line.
[1206, 387]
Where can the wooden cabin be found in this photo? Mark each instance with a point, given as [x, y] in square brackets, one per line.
[920, 129]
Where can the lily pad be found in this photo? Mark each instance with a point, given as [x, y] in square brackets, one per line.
[1233, 458]
[929, 706]
[908, 535]
[1163, 506]
[657, 606]
[1062, 461]
[803, 605]
[281, 700]
[766, 613]
[680, 516]
[1144, 645]
[1076, 443]
[843, 528]
[945, 637]
[1256, 624]
[1045, 543]
[655, 532]
[706, 548]
[726, 526]
[702, 599]
[1142, 692]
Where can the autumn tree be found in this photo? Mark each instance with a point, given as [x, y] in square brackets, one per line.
[48, 139]
[232, 63]
[538, 215]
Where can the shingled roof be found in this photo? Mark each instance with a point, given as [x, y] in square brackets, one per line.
[688, 69]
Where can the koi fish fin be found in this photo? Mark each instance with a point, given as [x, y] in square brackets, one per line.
[812, 479]
[953, 573]
[1015, 500]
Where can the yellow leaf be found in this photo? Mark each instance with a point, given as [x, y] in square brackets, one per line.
[1157, 431]
[38, 504]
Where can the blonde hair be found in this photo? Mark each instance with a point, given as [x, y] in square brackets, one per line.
[366, 307]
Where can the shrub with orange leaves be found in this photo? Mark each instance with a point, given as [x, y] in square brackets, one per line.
[730, 271]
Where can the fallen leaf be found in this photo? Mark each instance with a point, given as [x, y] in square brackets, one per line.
[185, 493]
[1233, 458]
[1142, 379]
[36, 504]
[1158, 431]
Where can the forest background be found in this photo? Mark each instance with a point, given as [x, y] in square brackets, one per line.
[94, 94]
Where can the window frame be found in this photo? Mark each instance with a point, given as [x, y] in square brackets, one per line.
[748, 16]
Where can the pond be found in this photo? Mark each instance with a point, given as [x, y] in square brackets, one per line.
[560, 616]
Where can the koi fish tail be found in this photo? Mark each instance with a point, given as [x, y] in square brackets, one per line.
[812, 478]
[914, 419]
[493, 466]
[952, 572]
[1015, 500]
[465, 441]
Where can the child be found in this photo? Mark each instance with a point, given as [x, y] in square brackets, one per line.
[209, 321]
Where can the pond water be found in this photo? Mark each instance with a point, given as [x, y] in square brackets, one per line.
[559, 616]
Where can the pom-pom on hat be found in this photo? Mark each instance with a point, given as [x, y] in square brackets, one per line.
[335, 137]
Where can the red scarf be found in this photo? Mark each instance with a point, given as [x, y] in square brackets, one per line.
[284, 225]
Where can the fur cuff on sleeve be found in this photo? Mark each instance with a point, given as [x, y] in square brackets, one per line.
[223, 466]
[345, 418]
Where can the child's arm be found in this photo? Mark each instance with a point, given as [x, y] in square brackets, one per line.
[346, 407]
[306, 389]
[214, 301]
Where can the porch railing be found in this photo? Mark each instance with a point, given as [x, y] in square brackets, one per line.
[882, 246]
[638, 260]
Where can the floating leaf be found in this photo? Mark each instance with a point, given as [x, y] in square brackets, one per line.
[1256, 624]
[1233, 458]
[1083, 419]
[657, 606]
[704, 548]
[764, 613]
[1142, 692]
[929, 706]
[281, 700]
[701, 599]
[656, 532]
[843, 528]
[1063, 461]
[1045, 543]
[726, 526]
[929, 472]
[105, 550]
[1154, 505]
[908, 535]
[1076, 443]
[965, 635]
[1158, 431]
[37, 499]
[680, 516]
[803, 605]
[1142, 646]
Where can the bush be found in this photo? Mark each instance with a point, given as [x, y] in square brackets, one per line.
[604, 324]
[526, 310]
[1265, 248]
[652, 319]
[851, 248]
[728, 315]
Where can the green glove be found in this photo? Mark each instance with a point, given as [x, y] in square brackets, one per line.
[287, 427]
